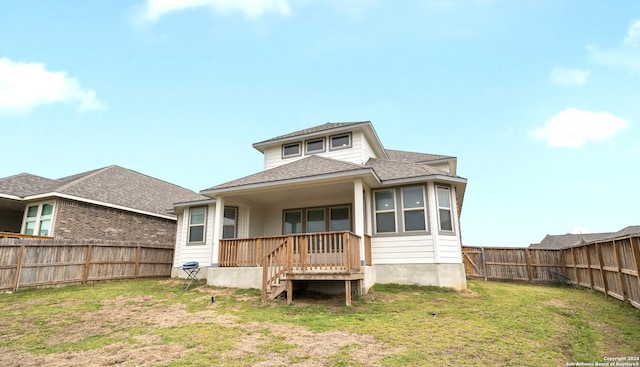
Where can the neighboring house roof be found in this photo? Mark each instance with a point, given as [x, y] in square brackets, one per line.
[110, 186]
[556, 242]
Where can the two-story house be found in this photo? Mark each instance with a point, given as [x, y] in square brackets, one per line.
[333, 210]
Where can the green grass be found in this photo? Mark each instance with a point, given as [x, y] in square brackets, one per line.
[492, 323]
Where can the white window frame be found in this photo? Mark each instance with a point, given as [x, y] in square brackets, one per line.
[347, 146]
[285, 146]
[203, 225]
[447, 208]
[235, 221]
[382, 211]
[423, 208]
[321, 150]
[39, 219]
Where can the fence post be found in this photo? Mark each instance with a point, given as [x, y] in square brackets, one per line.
[591, 282]
[575, 265]
[87, 263]
[135, 269]
[605, 282]
[528, 261]
[484, 266]
[16, 277]
[635, 249]
[616, 247]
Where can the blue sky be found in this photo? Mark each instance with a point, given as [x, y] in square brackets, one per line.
[538, 99]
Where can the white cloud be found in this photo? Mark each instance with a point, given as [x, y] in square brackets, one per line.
[573, 128]
[626, 55]
[152, 10]
[569, 77]
[24, 86]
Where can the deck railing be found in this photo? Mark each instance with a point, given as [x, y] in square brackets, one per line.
[331, 251]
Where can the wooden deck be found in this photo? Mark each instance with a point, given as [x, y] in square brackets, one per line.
[329, 256]
[19, 235]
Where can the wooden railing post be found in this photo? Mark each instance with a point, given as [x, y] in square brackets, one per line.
[259, 251]
[16, 276]
[346, 252]
[290, 246]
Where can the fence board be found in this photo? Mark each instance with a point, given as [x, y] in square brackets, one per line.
[36, 263]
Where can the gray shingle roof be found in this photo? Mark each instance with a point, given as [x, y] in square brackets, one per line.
[393, 170]
[110, 185]
[306, 167]
[311, 130]
[404, 156]
[556, 242]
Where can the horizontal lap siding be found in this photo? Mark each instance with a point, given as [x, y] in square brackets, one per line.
[449, 250]
[199, 252]
[402, 250]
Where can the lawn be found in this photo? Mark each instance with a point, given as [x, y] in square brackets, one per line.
[155, 322]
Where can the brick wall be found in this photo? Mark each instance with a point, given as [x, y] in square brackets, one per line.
[82, 221]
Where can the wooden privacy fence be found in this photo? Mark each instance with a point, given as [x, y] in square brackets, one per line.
[38, 263]
[609, 266]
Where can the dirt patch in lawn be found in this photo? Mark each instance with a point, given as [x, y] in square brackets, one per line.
[132, 320]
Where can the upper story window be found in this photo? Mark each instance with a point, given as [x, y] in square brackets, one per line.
[314, 146]
[38, 219]
[444, 208]
[385, 211]
[414, 209]
[197, 218]
[291, 150]
[340, 141]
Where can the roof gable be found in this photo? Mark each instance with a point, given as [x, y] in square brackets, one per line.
[311, 130]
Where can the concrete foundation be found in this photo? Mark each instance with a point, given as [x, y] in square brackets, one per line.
[440, 275]
[246, 277]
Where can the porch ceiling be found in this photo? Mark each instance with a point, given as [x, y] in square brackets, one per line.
[11, 205]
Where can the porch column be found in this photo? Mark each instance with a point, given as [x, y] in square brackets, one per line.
[358, 214]
[217, 230]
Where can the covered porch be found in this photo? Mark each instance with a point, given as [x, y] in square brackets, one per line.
[326, 256]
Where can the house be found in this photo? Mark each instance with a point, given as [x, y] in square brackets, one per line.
[562, 241]
[110, 203]
[332, 206]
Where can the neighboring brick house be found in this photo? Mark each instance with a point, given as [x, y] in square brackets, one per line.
[110, 203]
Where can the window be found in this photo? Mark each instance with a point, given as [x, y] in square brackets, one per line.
[314, 146]
[196, 223]
[340, 141]
[413, 206]
[444, 208]
[292, 221]
[385, 211]
[38, 219]
[340, 220]
[291, 150]
[230, 222]
[315, 220]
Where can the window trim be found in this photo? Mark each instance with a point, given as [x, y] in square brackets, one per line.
[393, 210]
[423, 209]
[284, 222]
[322, 150]
[449, 208]
[204, 226]
[38, 219]
[349, 145]
[285, 146]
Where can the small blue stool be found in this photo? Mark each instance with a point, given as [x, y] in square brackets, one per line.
[191, 268]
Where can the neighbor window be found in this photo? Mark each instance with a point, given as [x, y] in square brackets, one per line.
[38, 219]
[414, 209]
[230, 222]
[444, 208]
[340, 141]
[196, 223]
[385, 211]
[292, 221]
[314, 146]
[291, 150]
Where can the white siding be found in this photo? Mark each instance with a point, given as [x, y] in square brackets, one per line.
[441, 166]
[200, 253]
[402, 250]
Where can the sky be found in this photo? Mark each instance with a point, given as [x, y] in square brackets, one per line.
[537, 99]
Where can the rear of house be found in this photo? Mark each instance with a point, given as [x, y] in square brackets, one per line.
[333, 210]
